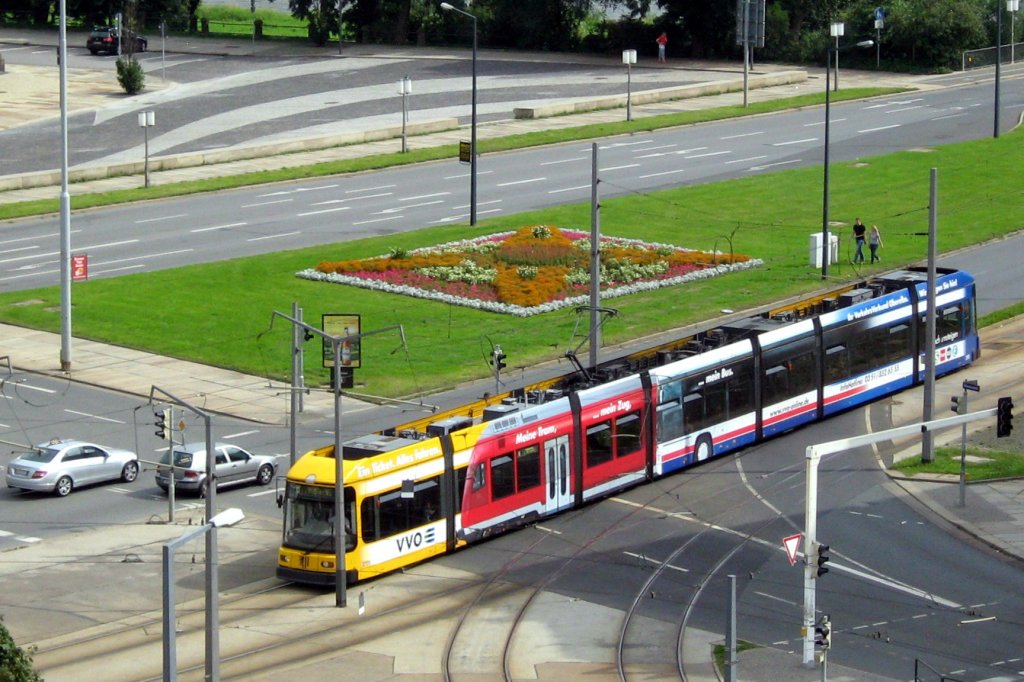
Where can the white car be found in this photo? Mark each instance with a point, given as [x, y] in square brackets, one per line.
[60, 466]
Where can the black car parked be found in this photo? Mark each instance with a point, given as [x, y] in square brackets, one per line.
[104, 39]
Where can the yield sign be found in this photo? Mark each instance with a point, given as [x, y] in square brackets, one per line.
[792, 546]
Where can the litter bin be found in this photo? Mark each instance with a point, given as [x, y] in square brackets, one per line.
[814, 251]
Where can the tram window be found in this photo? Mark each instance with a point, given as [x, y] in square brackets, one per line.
[528, 468]
[693, 411]
[670, 422]
[741, 388]
[947, 324]
[837, 363]
[389, 513]
[503, 477]
[599, 444]
[898, 343]
[479, 476]
[627, 434]
[776, 384]
[670, 392]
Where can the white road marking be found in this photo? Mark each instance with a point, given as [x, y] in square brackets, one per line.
[426, 196]
[613, 168]
[641, 557]
[377, 220]
[232, 436]
[555, 163]
[271, 491]
[218, 227]
[872, 130]
[896, 111]
[733, 137]
[161, 219]
[94, 416]
[701, 156]
[749, 158]
[266, 203]
[770, 165]
[789, 142]
[654, 175]
[568, 189]
[889, 583]
[520, 182]
[369, 189]
[326, 210]
[273, 236]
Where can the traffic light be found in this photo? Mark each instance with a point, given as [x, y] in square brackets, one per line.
[1004, 417]
[499, 359]
[823, 633]
[823, 558]
[955, 404]
[163, 423]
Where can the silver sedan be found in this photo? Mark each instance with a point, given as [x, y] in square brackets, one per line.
[60, 466]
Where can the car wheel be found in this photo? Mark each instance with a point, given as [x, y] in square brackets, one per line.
[93, 51]
[265, 474]
[130, 472]
[704, 448]
[63, 487]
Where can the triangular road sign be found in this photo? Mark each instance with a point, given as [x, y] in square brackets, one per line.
[792, 546]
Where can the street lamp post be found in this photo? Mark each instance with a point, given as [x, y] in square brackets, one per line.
[836, 30]
[405, 89]
[147, 119]
[999, 62]
[1012, 6]
[228, 517]
[472, 143]
[825, 250]
[629, 58]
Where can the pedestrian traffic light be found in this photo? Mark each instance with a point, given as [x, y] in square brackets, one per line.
[1004, 417]
[955, 404]
[823, 558]
[163, 423]
[499, 359]
[823, 633]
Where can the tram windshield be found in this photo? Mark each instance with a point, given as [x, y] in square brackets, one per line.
[309, 518]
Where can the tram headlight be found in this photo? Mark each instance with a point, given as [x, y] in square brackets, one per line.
[326, 564]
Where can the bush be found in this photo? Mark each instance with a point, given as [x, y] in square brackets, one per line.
[130, 75]
[15, 663]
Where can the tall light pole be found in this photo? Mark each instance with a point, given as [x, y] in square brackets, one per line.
[999, 61]
[1012, 6]
[828, 115]
[472, 140]
[836, 30]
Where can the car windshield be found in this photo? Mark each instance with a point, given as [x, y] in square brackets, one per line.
[43, 455]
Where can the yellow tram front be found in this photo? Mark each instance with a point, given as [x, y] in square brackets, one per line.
[400, 506]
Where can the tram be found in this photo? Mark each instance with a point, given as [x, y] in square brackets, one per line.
[429, 487]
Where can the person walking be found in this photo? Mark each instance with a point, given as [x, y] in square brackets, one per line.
[859, 236]
[662, 42]
[875, 243]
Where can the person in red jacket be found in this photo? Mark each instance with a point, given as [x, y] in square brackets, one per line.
[662, 42]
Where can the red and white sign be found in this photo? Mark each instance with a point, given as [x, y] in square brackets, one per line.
[792, 547]
[79, 267]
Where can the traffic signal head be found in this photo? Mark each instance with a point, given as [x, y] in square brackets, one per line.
[499, 359]
[823, 633]
[163, 424]
[823, 558]
[955, 405]
[1004, 417]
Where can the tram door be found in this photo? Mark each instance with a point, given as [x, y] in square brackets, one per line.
[556, 457]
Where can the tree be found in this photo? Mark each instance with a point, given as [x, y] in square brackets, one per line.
[15, 662]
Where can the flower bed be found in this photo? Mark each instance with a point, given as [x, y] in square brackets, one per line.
[532, 270]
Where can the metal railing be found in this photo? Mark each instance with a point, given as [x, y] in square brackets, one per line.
[933, 674]
[986, 56]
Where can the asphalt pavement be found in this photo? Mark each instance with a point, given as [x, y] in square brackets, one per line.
[994, 513]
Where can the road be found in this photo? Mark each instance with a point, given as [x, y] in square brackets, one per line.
[203, 228]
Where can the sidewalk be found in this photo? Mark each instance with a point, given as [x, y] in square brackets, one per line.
[994, 511]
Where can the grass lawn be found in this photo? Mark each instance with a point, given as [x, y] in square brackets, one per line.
[995, 464]
[219, 313]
